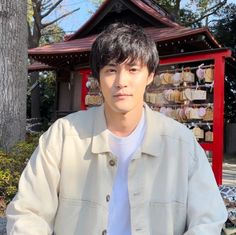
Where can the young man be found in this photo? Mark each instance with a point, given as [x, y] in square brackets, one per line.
[119, 169]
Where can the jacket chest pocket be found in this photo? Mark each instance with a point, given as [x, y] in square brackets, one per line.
[79, 217]
[168, 218]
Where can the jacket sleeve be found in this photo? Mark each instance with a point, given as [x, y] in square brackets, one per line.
[206, 212]
[33, 209]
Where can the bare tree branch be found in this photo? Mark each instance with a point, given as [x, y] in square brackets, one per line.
[212, 21]
[209, 12]
[29, 31]
[46, 6]
[54, 21]
[215, 7]
[36, 13]
[43, 2]
[51, 9]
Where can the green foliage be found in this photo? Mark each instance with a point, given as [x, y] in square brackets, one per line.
[192, 13]
[187, 17]
[30, 12]
[12, 165]
[225, 32]
[51, 34]
[202, 4]
[47, 83]
[225, 28]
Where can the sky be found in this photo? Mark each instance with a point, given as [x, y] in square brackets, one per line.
[73, 22]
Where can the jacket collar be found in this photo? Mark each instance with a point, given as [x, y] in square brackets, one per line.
[152, 144]
[100, 132]
[153, 141]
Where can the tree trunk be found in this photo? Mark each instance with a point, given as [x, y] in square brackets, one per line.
[13, 71]
[33, 41]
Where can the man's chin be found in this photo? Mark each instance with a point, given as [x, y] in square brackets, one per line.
[122, 109]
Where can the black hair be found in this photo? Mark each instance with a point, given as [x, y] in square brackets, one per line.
[119, 42]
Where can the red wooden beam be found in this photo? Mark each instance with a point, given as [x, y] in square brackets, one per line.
[84, 73]
[192, 57]
[207, 146]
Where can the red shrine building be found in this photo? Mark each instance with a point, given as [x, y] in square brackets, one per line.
[189, 86]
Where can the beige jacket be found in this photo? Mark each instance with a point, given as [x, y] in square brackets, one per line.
[65, 187]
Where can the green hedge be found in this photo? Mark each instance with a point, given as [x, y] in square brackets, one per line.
[12, 165]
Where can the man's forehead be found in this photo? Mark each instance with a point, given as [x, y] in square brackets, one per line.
[128, 61]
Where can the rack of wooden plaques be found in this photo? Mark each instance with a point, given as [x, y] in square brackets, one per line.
[190, 88]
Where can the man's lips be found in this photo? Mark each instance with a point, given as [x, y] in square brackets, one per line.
[121, 94]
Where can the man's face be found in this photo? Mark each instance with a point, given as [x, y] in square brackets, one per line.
[123, 85]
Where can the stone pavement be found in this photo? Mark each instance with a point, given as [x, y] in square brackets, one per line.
[2, 226]
[229, 171]
[229, 179]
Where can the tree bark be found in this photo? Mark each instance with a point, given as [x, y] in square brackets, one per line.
[13, 71]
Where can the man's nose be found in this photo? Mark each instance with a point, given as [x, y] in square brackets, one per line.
[121, 78]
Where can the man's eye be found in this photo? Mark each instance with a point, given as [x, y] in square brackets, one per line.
[111, 70]
[133, 70]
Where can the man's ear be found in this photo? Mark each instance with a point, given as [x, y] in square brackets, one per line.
[150, 78]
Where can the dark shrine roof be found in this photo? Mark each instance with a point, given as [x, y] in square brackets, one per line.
[157, 13]
[37, 66]
[157, 23]
[84, 44]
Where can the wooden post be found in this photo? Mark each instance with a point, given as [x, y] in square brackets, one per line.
[218, 120]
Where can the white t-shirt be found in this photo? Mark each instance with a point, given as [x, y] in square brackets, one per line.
[119, 208]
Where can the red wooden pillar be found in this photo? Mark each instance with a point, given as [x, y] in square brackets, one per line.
[85, 74]
[218, 117]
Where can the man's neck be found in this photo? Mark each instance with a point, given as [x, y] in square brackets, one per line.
[122, 124]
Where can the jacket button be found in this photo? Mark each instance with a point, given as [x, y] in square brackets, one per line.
[112, 162]
[108, 198]
[104, 232]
